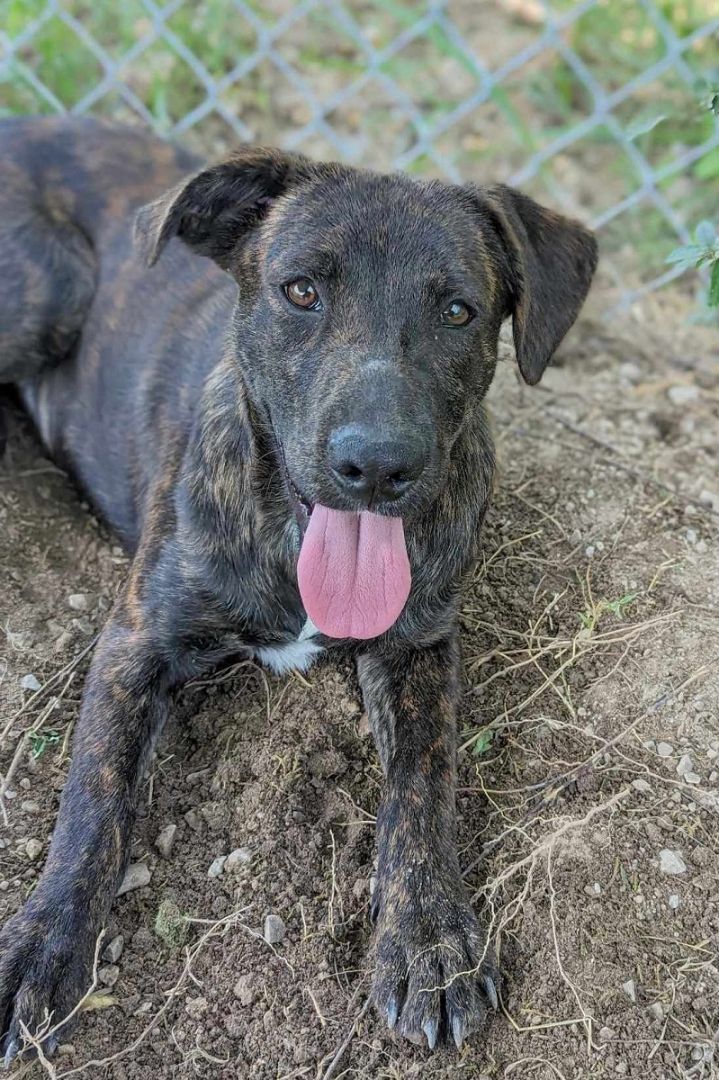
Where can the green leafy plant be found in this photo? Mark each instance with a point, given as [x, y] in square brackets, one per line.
[41, 740]
[704, 251]
[483, 741]
[590, 618]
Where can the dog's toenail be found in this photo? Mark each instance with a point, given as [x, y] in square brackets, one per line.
[491, 991]
[458, 1031]
[431, 1029]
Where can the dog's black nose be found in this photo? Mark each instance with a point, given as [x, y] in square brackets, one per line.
[372, 466]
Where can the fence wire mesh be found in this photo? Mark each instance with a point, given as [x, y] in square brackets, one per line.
[600, 107]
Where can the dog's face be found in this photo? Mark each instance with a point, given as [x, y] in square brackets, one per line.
[369, 310]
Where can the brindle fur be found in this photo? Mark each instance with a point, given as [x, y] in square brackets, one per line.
[173, 397]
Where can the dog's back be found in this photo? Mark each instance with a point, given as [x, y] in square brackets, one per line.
[92, 368]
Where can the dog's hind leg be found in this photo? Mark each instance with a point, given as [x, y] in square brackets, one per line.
[47, 282]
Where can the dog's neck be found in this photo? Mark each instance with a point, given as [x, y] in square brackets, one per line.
[233, 474]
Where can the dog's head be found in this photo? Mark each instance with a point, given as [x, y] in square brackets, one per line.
[369, 311]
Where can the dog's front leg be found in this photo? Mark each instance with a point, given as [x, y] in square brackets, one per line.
[46, 950]
[434, 976]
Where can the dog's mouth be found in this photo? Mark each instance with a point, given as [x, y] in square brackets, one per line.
[353, 571]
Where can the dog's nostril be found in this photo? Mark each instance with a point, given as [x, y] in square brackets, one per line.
[352, 472]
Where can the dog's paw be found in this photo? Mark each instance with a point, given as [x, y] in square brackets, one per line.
[435, 979]
[45, 968]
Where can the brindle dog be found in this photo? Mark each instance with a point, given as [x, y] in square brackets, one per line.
[310, 392]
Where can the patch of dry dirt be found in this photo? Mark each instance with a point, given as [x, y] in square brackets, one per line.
[591, 651]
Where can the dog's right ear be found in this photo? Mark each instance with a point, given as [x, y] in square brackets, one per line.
[212, 210]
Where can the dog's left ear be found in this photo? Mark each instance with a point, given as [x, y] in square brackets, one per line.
[550, 261]
[212, 210]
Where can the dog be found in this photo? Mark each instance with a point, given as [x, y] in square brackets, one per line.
[289, 437]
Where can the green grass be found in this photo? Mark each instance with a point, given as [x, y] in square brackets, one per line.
[616, 40]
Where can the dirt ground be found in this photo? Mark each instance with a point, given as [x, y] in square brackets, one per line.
[589, 780]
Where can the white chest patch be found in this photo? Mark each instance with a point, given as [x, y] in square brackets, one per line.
[294, 655]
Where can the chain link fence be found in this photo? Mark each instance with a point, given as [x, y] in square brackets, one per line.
[601, 108]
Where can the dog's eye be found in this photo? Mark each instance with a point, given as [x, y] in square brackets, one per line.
[303, 294]
[457, 314]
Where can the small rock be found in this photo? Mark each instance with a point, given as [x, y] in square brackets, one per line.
[665, 749]
[709, 498]
[245, 990]
[680, 395]
[239, 857]
[593, 890]
[685, 765]
[193, 820]
[29, 806]
[165, 839]
[136, 876]
[79, 601]
[25, 784]
[606, 1034]
[692, 778]
[274, 930]
[113, 950]
[33, 847]
[671, 862]
[196, 1007]
[630, 990]
[621, 1068]
[641, 785]
[217, 866]
[29, 682]
[656, 1010]
[109, 974]
[674, 900]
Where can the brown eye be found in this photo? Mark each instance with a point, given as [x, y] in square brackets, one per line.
[456, 314]
[303, 294]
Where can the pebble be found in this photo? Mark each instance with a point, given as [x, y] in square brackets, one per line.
[709, 498]
[656, 1010]
[79, 601]
[109, 974]
[113, 950]
[136, 875]
[665, 749]
[29, 806]
[29, 682]
[33, 848]
[193, 820]
[217, 866]
[239, 857]
[674, 900]
[685, 765]
[630, 990]
[593, 890]
[680, 395]
[671, 862]
[641, 785]
[165, 839]
[274, 930]
[606, 1034]
[245, 990]
[692, 778]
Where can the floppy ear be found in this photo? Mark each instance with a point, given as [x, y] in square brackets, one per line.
[211, 210]
[551, 261]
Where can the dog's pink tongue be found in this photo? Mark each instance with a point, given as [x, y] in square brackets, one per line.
[353, 572]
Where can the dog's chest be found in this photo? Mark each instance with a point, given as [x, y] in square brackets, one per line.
[295, 655]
